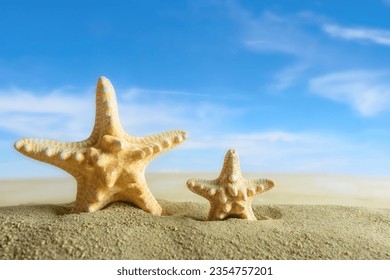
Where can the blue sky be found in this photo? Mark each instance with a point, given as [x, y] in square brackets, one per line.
[293, 86]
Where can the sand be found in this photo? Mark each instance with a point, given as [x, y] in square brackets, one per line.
[121, 231]
[307, 216]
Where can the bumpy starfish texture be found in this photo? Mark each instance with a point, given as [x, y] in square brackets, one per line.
[109, 166]
[230, 195]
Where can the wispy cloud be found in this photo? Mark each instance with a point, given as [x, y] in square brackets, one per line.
[53, 114]
[56, 101]
[61, 114]
[377, 36]
[273, 33]
[137, 92]
[65, 114]
[368, 92]
[387, 2]
[289, 76]
[297, 35]
[293, 35]
[277, 150]
[269, 142]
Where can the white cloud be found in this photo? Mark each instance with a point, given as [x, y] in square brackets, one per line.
[368, 92]
[377, 36]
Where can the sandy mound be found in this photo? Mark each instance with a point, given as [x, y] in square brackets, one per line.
[122, 231]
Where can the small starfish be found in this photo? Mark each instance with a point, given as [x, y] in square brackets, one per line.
[109, 165]
[230, 195]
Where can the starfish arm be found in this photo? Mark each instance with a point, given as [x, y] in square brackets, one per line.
[205, 188]
[148, 203]
[107, 116]
[139, 194]
[231, 170]
[257, 186]
[64, 155]
[248, 213]
[156, 144]
[86, 199]
[216, 213]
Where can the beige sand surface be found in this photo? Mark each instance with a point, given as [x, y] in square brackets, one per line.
[307, 216]
[122, 231]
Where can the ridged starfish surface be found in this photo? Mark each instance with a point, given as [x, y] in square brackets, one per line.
[110, 165]
[230, 195]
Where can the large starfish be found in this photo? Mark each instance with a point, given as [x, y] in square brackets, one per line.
[108, 166]
[230, 195]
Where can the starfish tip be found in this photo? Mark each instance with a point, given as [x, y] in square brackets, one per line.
[231, 153]
[191, 183]
[103, 79]
[180, 137]
[104, 84]
[19, 144]
[23, 145]
[271, 183]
